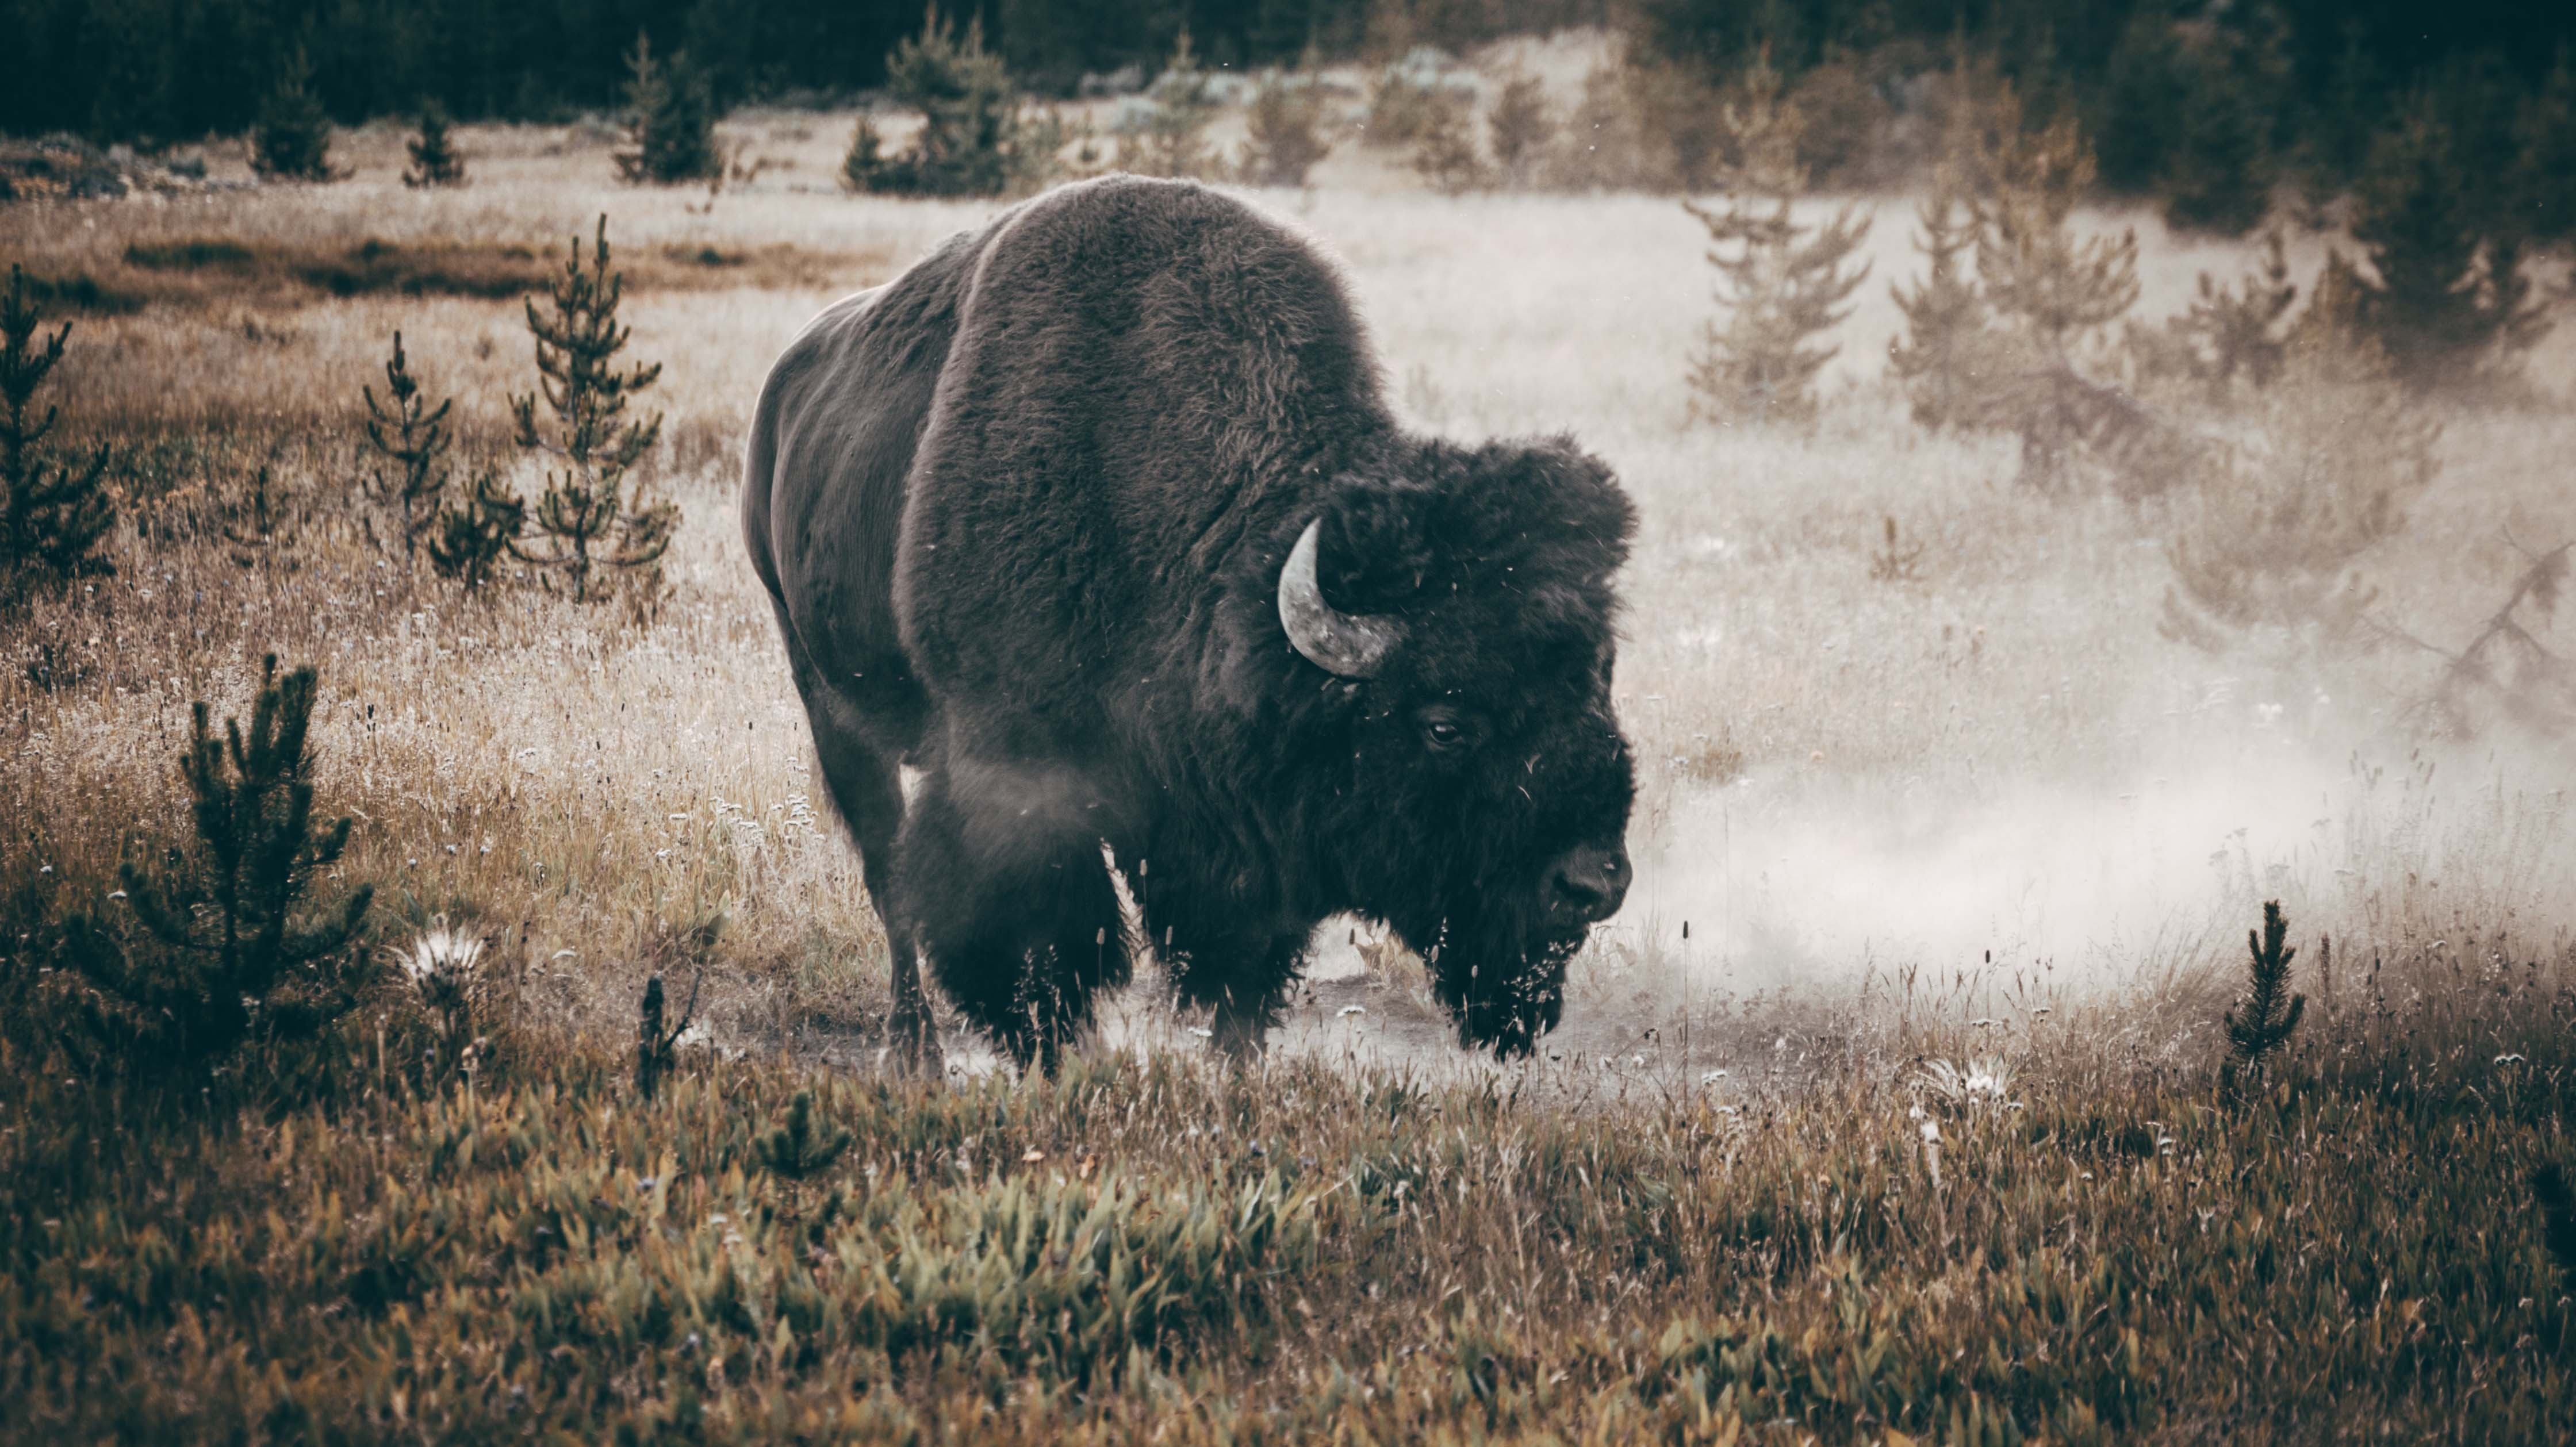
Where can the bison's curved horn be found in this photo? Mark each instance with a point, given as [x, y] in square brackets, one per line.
[1339, 643]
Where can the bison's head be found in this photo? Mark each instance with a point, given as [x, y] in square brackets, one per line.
[1452, 613]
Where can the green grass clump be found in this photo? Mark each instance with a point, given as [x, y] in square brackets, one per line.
[1152, 1246]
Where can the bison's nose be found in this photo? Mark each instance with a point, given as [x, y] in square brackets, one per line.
[1587, 884]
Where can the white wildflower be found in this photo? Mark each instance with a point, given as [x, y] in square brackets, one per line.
[443, 964]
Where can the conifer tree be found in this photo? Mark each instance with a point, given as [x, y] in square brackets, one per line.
[2220, 178]
[671, 129]
[292, 139]
[2051, 288]
[1444, 146]
[2544, 180]
[1172, 140]
[2268, 1018]
[2143, 101]
[583, 515]
[796, 1148]
[1781, 282]
[242, 952]
[472, 539]
[1520, 129]
[970, 142]
[434, 159]
[2230, 332]
[1947, 342]
[415, 437]
[52, 515]
[2292, 503]
[2450, 306]
[1284, 131]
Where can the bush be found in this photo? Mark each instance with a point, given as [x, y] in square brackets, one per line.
[237, 955]
[2228, 334]
[292, 139]
[473, 539]
[1285, 131]
[2269, 539]
[671, 124]
[53, 516]
[1400, 107]
[1521, 130]
[1444, 147]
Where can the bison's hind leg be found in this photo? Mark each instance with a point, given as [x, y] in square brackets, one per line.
[1014, 908]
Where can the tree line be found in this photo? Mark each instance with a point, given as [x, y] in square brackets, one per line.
[2163, 83]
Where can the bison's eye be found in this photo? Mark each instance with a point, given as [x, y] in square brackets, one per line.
[1444, 728]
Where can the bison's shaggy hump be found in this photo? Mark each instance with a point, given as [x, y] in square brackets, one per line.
[1144, 372]
[1026, 514]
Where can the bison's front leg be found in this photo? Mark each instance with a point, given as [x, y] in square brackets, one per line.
[1009, 900]
[1241, 972]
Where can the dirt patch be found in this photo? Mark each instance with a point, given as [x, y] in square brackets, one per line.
[222, 271]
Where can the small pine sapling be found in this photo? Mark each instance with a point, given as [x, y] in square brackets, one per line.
[795, 1149]
[1172, 139]
[242, 951]
[1444, 146]
[653, 1043]
[1284, 132]
[583, 513]
[53, 516]
[2229, 332]
[434, 158]
[1946, 343]
[292, 139]
[415, 437]
[472, 539]
[1783, 284]
[1894, 561]
[671, 125]
[2267, 1020]
[261, 524]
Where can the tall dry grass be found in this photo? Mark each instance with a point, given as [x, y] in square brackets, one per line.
[1839, 773]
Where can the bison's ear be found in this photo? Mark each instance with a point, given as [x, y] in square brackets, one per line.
[1376, 549]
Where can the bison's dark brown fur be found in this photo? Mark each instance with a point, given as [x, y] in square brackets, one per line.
[1024, 513]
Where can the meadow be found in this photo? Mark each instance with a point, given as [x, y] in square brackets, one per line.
[1888, 1110]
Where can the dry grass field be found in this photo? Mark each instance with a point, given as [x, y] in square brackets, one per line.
[1986, 810]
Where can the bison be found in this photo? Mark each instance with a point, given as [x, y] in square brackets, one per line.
[1098, 519]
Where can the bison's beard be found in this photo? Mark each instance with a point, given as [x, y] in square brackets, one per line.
[1500, 968]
